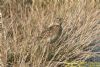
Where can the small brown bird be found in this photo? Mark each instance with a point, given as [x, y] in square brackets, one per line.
[52, 33]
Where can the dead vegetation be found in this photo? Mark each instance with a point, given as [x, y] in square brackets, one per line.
[24, 20]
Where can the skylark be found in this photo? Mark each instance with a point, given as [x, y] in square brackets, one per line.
[52, 33]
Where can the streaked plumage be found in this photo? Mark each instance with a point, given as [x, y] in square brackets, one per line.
[52, 33]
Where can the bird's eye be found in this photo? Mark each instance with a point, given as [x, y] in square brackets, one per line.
[59, 19]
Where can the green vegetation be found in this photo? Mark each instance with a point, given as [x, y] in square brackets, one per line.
[83, 64]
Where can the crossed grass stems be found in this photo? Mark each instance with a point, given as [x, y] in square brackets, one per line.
[80, 29]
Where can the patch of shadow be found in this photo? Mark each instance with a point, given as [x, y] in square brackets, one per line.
[94, 46]
[96, 49]
[93, 59]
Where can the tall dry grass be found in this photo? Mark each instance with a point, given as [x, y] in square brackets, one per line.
[24, 20]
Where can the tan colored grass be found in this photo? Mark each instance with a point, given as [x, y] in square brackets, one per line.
[24, 20]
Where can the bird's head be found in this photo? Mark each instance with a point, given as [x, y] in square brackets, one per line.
[57, 21]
